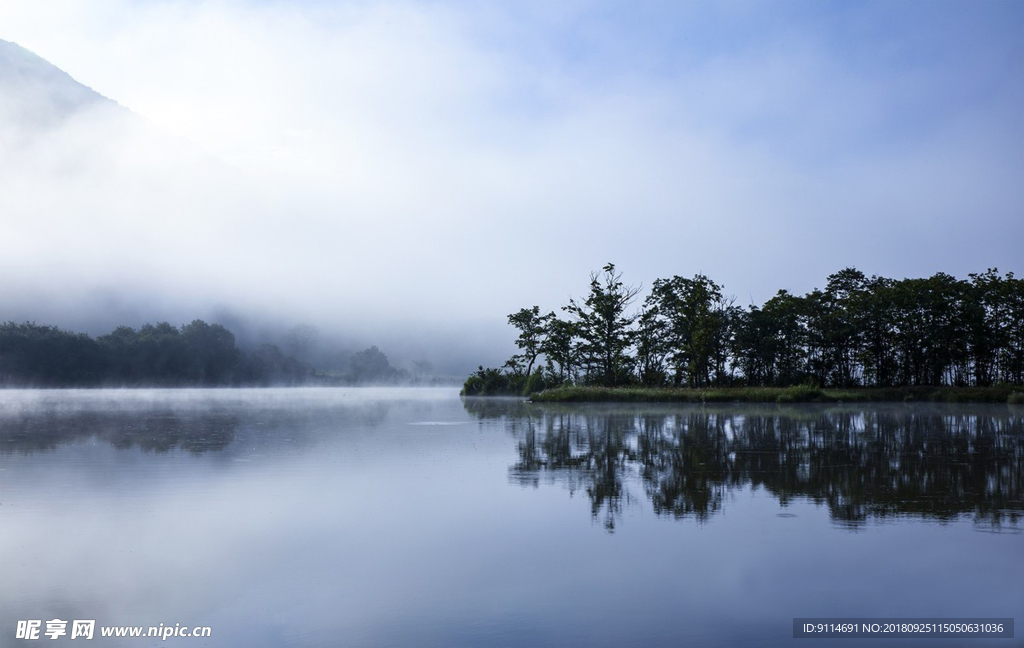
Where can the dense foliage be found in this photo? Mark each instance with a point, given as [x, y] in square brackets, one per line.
[858, 331]
[160, 354]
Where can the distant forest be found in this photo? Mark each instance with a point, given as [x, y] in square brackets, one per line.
[196, 354]
[859, 331]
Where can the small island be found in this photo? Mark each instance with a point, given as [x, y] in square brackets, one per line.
[860, 338]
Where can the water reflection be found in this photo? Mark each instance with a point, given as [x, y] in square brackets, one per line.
[387, 517]
[161, 432]
[936, 462]
[196, 421]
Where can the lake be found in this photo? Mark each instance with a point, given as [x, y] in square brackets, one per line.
[410, 517]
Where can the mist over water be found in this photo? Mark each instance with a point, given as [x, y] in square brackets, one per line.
[410, 516]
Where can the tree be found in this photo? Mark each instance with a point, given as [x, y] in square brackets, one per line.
[696, 318]
[213, 356]
[1012, 318]
[988, 324]
[842, 325]
[371, 365]
[877, 321]
[560, 348]
[755, 346]
[604, 327]
[532, 329]
[651, 347]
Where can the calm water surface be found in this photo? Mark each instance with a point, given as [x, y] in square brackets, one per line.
[401, 517]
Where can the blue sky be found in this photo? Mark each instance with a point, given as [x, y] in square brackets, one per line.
[450, 162]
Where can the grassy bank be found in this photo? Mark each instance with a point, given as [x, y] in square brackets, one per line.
[802, 394]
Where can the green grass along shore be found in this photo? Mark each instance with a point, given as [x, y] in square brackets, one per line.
[801, 394]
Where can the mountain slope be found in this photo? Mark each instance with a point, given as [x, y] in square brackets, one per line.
[95, 200]
[37, 94]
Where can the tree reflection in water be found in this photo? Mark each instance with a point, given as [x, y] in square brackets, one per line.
[931, 461]
[160, 431]
[196, 426]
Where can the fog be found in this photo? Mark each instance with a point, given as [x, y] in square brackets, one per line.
[407, 174]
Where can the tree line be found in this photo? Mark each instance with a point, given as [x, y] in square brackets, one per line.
[155, 354]
[195, 354]
[857, 331]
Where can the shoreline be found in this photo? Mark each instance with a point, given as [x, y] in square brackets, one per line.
[1010, 394]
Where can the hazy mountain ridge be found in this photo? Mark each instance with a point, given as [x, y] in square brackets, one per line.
[95, 173]
[42, 106]
[38, 93]
[139, 225]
